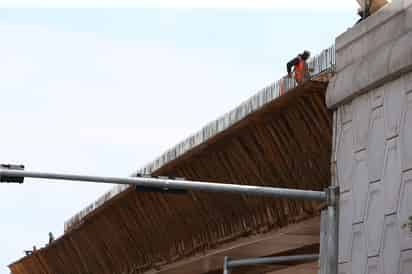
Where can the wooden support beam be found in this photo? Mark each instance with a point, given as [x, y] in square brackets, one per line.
[289, 238]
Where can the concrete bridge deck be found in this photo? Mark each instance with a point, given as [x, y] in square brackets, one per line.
[280, 137]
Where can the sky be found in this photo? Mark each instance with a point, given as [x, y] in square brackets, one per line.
[105, 91]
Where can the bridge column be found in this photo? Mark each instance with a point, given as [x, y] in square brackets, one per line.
[371, 95]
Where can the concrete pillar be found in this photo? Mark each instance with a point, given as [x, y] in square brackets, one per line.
[371, 95]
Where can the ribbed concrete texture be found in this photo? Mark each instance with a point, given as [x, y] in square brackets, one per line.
[371, 95]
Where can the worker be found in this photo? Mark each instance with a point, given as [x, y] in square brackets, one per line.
[51, 237]
[300, 65]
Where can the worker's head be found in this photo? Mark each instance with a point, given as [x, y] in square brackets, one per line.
[305, 55]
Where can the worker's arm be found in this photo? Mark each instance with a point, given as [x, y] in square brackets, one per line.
[290, 65]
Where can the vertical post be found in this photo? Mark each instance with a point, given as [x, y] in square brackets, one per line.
[333, 229]
[225, 267]
[323, 242]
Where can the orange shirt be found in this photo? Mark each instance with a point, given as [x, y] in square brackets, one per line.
[300, 70]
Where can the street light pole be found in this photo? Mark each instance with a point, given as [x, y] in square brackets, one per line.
[164, 184]
[17, 174]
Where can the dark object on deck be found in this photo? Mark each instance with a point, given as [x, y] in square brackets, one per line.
[51, 237]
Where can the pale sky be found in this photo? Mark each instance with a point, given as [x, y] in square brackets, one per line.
[325, 5]
[105, 91]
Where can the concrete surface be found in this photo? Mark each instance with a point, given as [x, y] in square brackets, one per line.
[373, 52]
[371, 96]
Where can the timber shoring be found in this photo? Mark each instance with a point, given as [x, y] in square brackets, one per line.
[285, 144]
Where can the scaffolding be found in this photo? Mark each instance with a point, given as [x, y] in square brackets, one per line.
[328, 256]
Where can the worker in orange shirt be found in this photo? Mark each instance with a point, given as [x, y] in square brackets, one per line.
[301, 70]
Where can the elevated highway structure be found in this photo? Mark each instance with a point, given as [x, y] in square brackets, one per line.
[282, 137]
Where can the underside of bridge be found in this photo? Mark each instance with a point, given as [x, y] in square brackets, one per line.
[285, 143]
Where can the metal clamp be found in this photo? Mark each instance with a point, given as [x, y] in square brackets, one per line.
[166, 189]
[332, 195]
[8, 178]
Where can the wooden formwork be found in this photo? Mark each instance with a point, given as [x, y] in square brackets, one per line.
[286, 143]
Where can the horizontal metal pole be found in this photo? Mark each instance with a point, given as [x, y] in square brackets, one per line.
[167, 184]
[272, 260]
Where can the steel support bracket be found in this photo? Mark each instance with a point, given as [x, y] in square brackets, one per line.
[332, 196]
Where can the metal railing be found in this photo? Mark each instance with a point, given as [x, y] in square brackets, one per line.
[229, 263]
